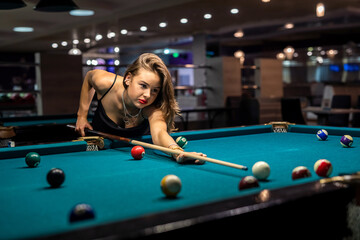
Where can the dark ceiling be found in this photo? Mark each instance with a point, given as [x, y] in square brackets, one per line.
[262, 24]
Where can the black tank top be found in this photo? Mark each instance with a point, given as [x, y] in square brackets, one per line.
[101, 122]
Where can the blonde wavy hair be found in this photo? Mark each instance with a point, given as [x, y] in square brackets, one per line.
[165, 100]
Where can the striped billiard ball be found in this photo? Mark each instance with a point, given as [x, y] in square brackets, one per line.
[32, 159]
[322, 134]
[346, 141]
[300, 172]
[323, 168]
[181, 141]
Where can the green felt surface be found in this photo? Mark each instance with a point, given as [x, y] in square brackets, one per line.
[120, 188]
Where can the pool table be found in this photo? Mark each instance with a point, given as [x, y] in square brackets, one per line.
[128, 202]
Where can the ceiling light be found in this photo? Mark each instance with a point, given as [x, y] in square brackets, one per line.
[331, 53]
[234, 11]
[11, 4]
[116, 49]
[124, 31]
[54, 45]
[55, 6]
[163, 24]
[289, 52]
[143, 28]
[166, 51]
[81, 13]
[87, 40]
[23, 29]
[239, 34]
[207, 16]
[280, 56]
[111, 35]
[117, 62]
[75, 41]
[64, 43]
[320, 10]
[241, 56]
[183, 20]
[98, 37]
[289, 26]
[74, 51]
[265, 1]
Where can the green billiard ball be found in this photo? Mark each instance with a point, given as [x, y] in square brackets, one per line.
[32, 159]
[181, 141]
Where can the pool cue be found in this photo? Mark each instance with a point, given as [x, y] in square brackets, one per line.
[164, 149]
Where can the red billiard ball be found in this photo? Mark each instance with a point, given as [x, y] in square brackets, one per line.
[137, 152]
[323, 168]
[248, 182]
[300, 172]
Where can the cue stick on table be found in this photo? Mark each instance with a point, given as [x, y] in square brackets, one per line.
[164, 149]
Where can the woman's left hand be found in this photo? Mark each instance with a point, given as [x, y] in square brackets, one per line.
[183, 159]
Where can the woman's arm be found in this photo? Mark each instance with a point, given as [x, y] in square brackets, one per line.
[160, 136]
[95, 81]
[86, 95]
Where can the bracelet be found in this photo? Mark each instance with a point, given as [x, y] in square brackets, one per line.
[175, 155]
[173, 144]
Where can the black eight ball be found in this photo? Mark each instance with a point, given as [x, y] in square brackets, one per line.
[55, 177]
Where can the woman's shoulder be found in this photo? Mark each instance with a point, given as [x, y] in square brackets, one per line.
[103, 79]
[151, 111]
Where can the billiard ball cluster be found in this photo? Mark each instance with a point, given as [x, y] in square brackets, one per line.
[55, 178]
[345, 141]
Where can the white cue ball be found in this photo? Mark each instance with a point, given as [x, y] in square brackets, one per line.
[261, 170]
[170, 185]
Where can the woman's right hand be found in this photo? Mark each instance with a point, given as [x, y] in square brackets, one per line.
[81, 124]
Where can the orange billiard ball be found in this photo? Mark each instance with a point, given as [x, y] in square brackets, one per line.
[137, 152]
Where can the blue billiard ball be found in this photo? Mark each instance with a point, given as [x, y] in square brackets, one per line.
[81, 212]
[322, 134]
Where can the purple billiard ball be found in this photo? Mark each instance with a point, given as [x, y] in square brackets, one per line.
[346, 141]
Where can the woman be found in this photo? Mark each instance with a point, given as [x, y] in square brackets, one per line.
[132, 105]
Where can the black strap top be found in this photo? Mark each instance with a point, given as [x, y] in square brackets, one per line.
[101, 122]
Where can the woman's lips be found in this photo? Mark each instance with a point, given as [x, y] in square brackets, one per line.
[142, 101]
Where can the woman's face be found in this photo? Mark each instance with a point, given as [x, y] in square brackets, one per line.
[143, 88]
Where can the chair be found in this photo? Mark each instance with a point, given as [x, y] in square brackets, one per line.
[339, 120]
[233, 117]
[249, 111]
[291, 110]
[356, 116]
[246, 112]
